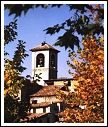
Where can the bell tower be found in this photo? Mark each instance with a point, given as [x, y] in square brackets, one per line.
[44, 62]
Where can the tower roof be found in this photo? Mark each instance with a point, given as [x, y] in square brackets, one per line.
[43, 46]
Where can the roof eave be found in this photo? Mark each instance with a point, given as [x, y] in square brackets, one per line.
[34, 50]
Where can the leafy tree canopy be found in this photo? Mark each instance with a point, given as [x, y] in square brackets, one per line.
[86, 103]
[14, 109]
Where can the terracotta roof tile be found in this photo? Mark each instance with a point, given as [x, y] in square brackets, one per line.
[43, 46]
[47, 91]
[32, 116]
[42, 104]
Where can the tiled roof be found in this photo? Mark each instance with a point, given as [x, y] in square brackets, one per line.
[43, 46]
[32, 116]
[42, 104]
[47, 91]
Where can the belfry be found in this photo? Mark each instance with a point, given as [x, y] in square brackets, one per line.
[44, 62]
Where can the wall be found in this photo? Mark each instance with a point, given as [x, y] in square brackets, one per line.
[47, 109]
[39, 110]
[58, 82]
[44, 70]
[53, 70]
[53, 108]
[44, 99]
[72, 86]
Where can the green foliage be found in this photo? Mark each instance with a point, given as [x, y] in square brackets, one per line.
[67, 40]
[14, 109]
[10, 32]
[19, 55]
[18, 9]
[37, 78]
[82, 23]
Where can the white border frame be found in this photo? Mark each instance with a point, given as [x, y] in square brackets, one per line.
[105, 63]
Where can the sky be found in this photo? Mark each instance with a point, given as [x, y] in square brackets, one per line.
[30, 30]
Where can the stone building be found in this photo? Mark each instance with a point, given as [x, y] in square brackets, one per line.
[42, 96]
[44, 62]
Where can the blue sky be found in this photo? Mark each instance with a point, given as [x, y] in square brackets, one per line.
[30, 30]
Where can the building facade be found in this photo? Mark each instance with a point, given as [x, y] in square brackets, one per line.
[44, 62]
[44, 104]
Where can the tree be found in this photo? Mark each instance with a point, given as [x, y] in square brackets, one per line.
[14, 109]
[82, 23]
[86, 104]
